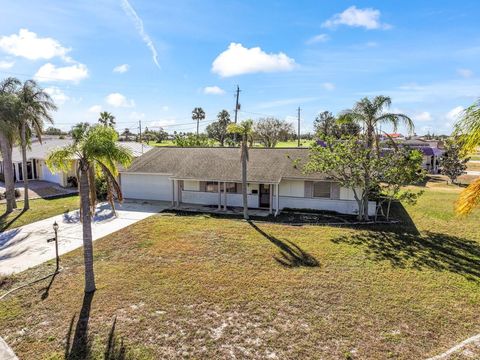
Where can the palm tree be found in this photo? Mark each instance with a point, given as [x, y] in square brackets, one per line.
[468, 131]
[34, 109]
[198, 114]
[8, 135]
[106, 119]
[94, 149]
[244, 129]
[370, 113]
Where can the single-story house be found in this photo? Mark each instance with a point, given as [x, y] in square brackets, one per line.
[38, 152]
[212, 176]
[431, 153]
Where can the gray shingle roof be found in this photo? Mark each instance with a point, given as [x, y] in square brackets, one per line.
[223, 164]
[41, 151]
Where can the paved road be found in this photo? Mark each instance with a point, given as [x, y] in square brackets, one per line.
[24, 247]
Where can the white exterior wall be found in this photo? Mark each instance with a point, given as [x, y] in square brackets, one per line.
[146, 186]
[44, 173]
[211, 198]
[292, 188]
[340, 206]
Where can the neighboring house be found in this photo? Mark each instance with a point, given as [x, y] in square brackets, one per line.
[38, 152]
[431, 153]
[212, 176]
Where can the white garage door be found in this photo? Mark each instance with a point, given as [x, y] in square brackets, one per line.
[52, 177]
[146, 187]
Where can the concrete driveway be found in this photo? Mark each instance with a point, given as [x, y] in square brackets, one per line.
[24, 247]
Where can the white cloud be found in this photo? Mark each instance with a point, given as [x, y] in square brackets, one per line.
[27, 44]
[49, 73]
[328, 86]
[121, 68]
[57, 95]
[238, 60]
[119, 100]
[320, 38]
[95, 109]
[454, 114]
[130, 11]
[6, 64]
[165, 108]
[465, 73]
[213, 90]
[422, 116]
[367, 18]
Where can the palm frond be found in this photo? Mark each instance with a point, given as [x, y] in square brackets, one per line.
[468, 199]
[467, 129]
[61, 159]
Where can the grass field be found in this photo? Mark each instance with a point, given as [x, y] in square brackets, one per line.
[201, 287]
[39, 209]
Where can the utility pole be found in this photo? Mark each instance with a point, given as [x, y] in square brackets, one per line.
[237, 107]
[140, 128]
[298, 134]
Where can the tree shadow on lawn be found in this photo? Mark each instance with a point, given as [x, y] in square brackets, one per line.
[430, 250]
[80, 347]
[291, 255]
[5, 224]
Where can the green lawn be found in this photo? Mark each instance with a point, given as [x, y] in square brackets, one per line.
[39, 209]
[207, 288]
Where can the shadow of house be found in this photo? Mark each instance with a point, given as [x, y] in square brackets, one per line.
[291, 255]
[429, 250]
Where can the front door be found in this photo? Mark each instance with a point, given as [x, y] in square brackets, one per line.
[264, 196]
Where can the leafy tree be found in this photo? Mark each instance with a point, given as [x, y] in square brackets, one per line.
[34, 106]
[94, 149]
[106, 119]
[197, 115]
[453, 163]
[8, 135]
[270, 130]
[127, 134]
[467, 129]
[402, 166]
[191, 140]
[351, 163]
[324, 125]
[218, 129]
[243, 129]
[53, 131]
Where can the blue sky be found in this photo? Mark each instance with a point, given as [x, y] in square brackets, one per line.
[156, 60]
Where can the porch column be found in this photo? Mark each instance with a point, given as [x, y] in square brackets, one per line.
[219, 196]
[178, 192]
[225, 195]
[277, 207]
[173, 193]
[270, 194]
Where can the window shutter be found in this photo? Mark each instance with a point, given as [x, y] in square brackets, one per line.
[335, 193]
[239, 188]
[203, 186]
[308, 189]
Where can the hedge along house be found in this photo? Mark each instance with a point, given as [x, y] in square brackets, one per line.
[38, 152]
[212, 176]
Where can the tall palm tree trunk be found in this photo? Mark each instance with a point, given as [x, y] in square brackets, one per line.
[6, 150]
[87, 228]
[198, 126]
[23, 136]
[244, 177]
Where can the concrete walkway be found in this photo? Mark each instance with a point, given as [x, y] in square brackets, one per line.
[24, 247]
[5, 352]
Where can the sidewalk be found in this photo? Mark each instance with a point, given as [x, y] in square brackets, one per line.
[6, 353]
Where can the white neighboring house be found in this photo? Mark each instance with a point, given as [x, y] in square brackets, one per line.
[212, 176]
[37, 169]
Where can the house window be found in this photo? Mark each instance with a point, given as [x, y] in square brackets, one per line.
[212, 186]
[322, 190]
